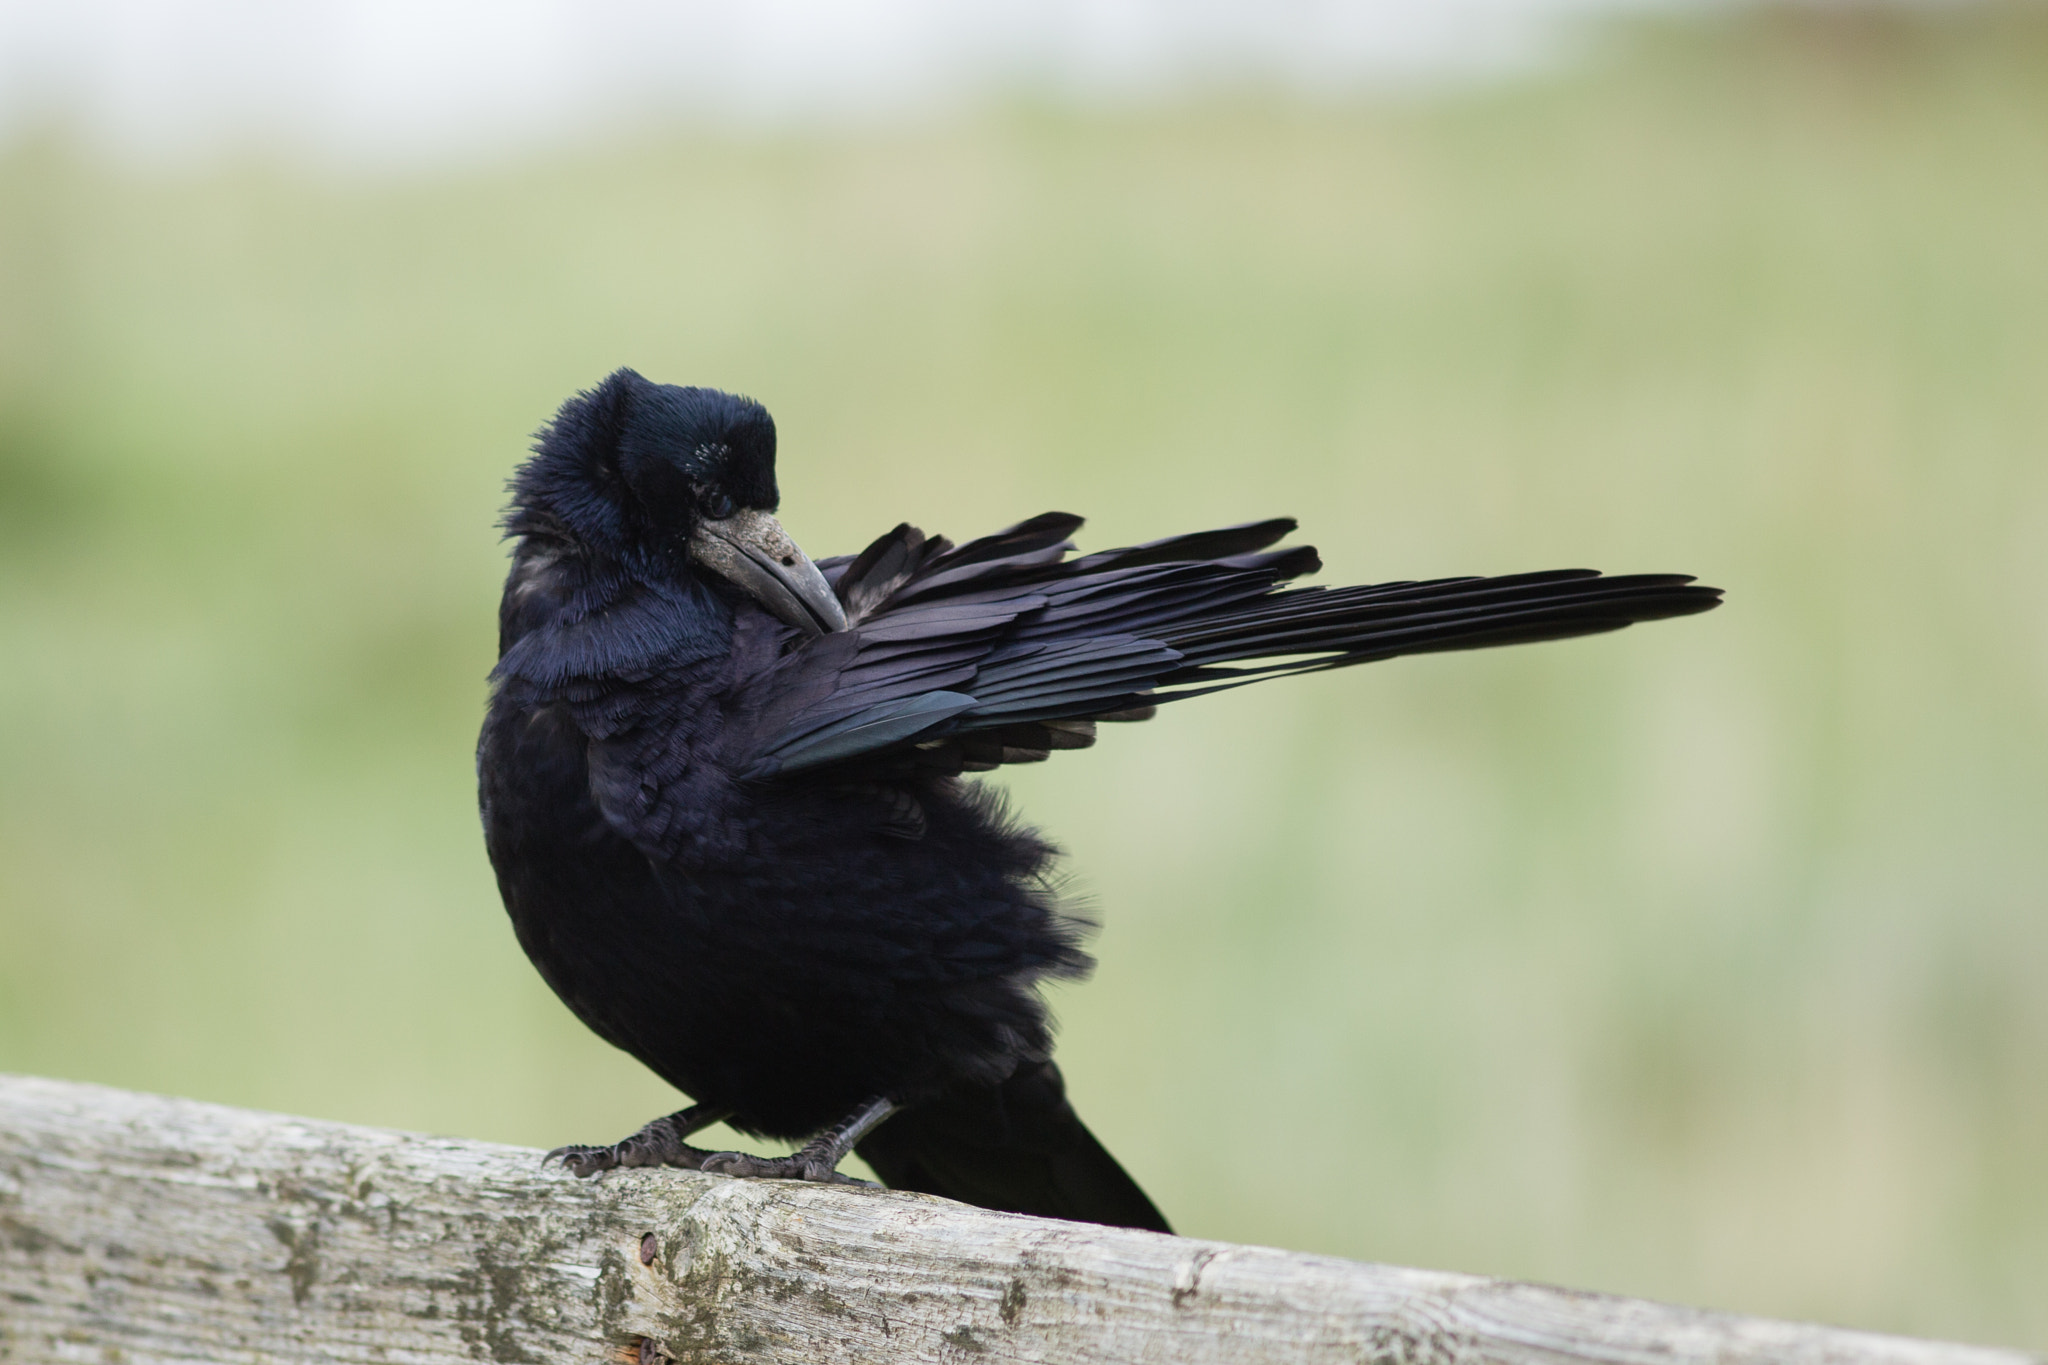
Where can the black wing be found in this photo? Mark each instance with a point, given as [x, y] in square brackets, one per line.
[1003, 650]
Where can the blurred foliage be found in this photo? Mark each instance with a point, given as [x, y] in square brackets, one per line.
[1703, 961]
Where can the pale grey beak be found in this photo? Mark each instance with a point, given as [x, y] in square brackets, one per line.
[751, 549]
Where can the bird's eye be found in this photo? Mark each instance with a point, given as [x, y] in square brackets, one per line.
[717, 505]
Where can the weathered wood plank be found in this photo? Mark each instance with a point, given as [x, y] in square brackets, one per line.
[136, 1229]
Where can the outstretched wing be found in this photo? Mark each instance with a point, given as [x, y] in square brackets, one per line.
[1003, 650]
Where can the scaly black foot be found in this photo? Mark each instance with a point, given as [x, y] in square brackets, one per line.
[660, 1143]
[817, 1159]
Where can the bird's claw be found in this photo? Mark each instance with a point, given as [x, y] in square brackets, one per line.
[660, 1143]
[583, 1162]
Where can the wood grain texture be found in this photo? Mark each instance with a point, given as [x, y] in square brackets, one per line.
[137, 1229]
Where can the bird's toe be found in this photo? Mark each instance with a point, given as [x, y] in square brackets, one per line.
[728, 1163]
[796, 1167]
[823, 1174]
[583, 1162]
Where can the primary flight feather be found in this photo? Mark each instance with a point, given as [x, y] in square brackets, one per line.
[722, 785]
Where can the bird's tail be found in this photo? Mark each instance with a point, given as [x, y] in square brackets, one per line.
[1018, 1147]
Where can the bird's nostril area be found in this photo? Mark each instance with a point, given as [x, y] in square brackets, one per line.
[788, 561]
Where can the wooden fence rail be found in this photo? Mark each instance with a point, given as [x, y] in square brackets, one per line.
[137, 1229]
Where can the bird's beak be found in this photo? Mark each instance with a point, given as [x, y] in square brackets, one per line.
[751, 549]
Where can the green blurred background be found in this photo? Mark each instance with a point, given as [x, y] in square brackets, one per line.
[1702, 962]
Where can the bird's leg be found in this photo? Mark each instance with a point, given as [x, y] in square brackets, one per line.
[817, 1159]
[660, 1143]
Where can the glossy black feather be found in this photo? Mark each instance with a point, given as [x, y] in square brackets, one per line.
[1008, 630]
[745, 853]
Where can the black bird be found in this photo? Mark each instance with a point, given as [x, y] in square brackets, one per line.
[721, 786]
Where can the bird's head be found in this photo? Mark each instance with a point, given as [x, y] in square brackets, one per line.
[664, 476]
